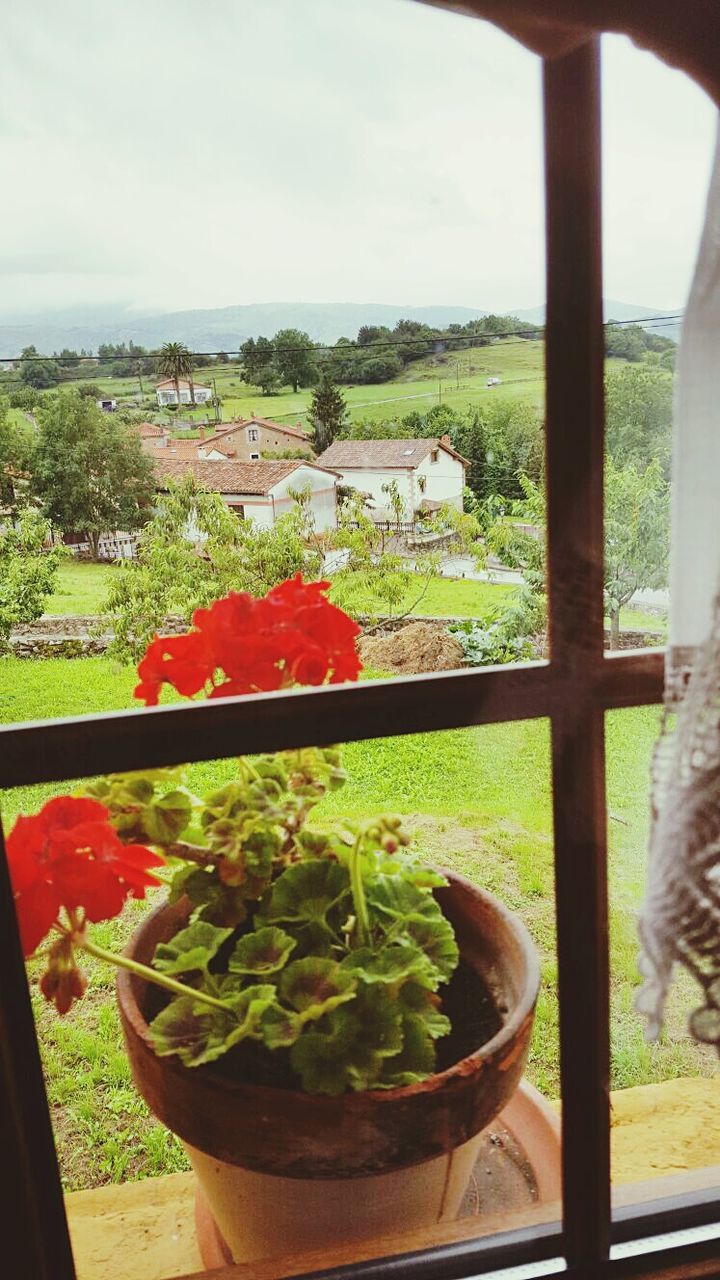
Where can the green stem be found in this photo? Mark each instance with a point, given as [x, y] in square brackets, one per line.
[358, 892]
[150, 975]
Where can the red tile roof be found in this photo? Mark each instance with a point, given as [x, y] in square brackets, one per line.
[228, 477]
[375, 455]
[149, 430]
[228, 428]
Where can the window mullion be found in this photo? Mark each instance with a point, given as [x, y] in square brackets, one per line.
[574, 391]
[35, 1234]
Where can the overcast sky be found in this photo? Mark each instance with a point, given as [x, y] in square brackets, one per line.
[172, 154]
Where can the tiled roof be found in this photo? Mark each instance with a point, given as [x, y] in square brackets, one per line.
[182, 383]
[373, 455]
[227, 477]
[149, 430]
[229, 428]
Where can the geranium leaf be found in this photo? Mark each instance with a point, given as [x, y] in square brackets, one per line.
[280, 1028]
[434, 935]
[416, 1059]
[417, 1000]
[190, 949]
[351, 1053]
[399, 897]
[391, 964]
[306, 891]
[264, 951]
[314, 986]
[166, 818]
[199, 1033]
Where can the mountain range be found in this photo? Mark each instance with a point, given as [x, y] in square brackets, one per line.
[225, 328]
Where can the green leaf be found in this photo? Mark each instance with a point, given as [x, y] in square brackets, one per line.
[166, 818]
[416, 999]
[416, 1059]
[191, 949]
[391, 964]
[280, 1028]
[199, 1033]
[351, 1053]
[306, 892]
[314, 986]
[264, 951]
[398, 897]
[434, 935]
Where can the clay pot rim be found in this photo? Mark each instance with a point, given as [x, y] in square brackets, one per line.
[470, 1065]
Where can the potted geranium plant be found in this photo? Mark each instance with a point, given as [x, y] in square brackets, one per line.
[286, 1011]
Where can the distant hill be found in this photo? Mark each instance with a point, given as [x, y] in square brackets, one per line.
[225, 328]
[619, 311]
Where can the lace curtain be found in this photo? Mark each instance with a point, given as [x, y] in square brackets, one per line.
[680, 920]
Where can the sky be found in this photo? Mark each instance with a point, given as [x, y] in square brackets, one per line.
[172, 154]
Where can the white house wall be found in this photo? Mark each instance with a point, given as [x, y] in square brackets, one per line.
[444, 480]
[323, 504]
[371, 481]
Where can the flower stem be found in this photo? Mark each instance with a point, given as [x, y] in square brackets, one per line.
[358, 892]
[151, 975]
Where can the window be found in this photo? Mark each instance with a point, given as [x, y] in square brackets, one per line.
[252, 434]
[574, 689]
[254, 457]
[435, 454]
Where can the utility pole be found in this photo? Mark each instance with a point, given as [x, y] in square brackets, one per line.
[439, 391]
[216, 401]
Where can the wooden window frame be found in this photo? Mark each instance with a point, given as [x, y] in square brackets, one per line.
[573, 690]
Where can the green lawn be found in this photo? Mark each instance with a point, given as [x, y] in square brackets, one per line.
[81, 587]
[476, 799]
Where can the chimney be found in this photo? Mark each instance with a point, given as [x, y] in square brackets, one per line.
[446, 440]
[201, 433]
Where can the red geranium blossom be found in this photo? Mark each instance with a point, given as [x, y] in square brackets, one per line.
[68, 855]
[240, 644]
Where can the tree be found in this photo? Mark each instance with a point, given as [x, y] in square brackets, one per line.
[638, 412]
[375, 578]
[327, 413]
[194, 550]
[637, 535]
[37, 371]
[28, 569]
[395, 500]
[175, 361]
[16, 448]
[258, 359]
[295, 358]
[90, 470]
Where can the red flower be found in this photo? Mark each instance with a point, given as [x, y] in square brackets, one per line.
[69, 856]
[240, 645]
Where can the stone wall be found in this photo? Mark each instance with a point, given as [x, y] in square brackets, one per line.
[78, 636]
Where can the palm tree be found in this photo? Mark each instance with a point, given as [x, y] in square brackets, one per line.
[175, 361]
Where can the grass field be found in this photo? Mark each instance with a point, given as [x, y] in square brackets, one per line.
[82, 587]
[474, 799]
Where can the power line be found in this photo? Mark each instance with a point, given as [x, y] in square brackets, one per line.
[367, 348]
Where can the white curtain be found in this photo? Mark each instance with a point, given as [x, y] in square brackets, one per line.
[680, 920]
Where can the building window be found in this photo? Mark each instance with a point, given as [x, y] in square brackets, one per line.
[254, 457]
[252, 434]
[434, 455]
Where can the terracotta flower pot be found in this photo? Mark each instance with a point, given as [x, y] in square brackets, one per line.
[282, 1169]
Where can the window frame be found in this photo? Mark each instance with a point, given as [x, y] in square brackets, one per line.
[573, 689]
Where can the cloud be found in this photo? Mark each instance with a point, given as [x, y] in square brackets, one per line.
[320, 151]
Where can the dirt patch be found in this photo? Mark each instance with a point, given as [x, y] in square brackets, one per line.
[418, 647]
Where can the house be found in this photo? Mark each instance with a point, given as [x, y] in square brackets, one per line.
[428, 473]
[152, 436]
[249, 439]
[166, 393]
[107, 406]
[259, 490]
